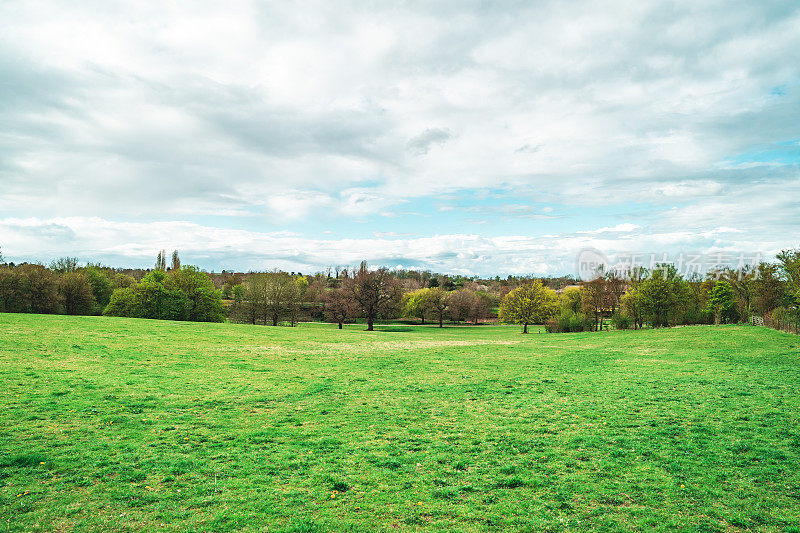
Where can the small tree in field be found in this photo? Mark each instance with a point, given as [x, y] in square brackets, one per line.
[530, 303]
[436, 299]
[721, 300]
[459, 304]
[415, 304]
[339, 306]
[374, 292]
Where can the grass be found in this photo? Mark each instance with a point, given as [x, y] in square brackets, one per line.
[110, 424]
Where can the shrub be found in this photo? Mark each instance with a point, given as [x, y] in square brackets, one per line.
[568, 322]
[620, 321]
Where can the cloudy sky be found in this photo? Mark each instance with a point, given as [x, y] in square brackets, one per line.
[458, 136]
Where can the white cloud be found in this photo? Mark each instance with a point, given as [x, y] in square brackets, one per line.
[117, 243]
[124, 111]
[625, 227]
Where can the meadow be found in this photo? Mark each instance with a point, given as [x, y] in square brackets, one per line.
[115, 424]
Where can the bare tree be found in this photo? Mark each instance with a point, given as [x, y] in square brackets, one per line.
[339, 306]
[65, 265]
[459, 304]
[282, 295]
[437, 303]
[594, 303]
[161, 260]
[373, 291]
[615, 288]
[481, 307]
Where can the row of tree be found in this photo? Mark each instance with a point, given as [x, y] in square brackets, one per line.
[663, 298]
[633, 298]
[176, 293]
[33, 288]
[360, 293]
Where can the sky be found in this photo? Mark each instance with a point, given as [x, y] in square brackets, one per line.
[464, 137]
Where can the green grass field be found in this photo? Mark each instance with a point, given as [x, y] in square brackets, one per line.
[122, 424]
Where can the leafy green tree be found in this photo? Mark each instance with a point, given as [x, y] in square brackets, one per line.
[722, 299]
[102, 287]
[664, 297]
[64, 265]
[595, 298]
[204, 302]
[631, 303]
[207, 306]
[414, 304]
[571, 299]
[530, 303]
[281, 295]
[790, 262]
[122, 280]
[43, 289]
[154, 300]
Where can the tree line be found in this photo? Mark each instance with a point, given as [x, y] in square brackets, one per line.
[633, 298]
[167, 293]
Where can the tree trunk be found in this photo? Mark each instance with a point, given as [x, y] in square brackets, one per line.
[441, 319]
[525, 328]
[369, 324]
[340, 325]
[275, 320]
[423, 320]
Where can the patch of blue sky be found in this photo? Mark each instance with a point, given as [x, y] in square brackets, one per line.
[489, 213]
[780, 154]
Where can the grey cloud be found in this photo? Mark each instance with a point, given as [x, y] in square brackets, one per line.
[422, 143]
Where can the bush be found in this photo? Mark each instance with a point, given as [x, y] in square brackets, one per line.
[568, 322]
[620, 321]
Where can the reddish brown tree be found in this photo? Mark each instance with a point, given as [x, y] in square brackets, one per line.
[373, 292]
[339, 307]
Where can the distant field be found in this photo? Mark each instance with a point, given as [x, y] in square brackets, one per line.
[122, 424]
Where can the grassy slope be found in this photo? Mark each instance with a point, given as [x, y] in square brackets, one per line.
[115, 424]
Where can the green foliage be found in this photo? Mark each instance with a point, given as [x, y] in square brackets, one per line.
[663, 297]
[621, 321]
[722, 299]
[415, 304]
[114, 424]
[102, 287]
[569, 321]
[123, 302]
[185, 294]
[790, 262]
[530, 303]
